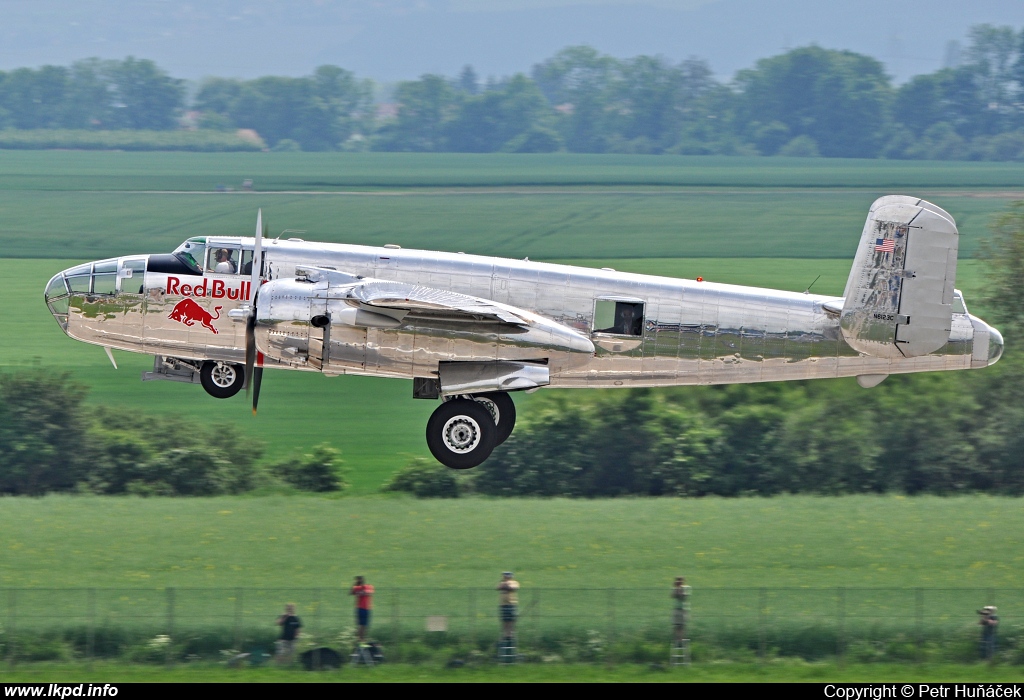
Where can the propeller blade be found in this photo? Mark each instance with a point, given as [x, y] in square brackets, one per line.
[250, 323]
[257, 259]
[250, 350]
[257, 378]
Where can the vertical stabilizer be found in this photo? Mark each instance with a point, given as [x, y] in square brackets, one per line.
[900, 291]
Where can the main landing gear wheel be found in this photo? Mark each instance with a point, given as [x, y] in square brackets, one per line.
[461, 434]
[222, 380]
[503, 411]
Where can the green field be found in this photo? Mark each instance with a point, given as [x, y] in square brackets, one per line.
[90, 170]
[590, 224]
[310, 542]
[806, 576]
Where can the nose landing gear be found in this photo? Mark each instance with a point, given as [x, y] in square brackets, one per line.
[462, 432]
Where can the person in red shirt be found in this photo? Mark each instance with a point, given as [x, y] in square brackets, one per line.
[364, 603]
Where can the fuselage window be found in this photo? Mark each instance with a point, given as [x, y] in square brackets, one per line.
[619, 317]
[246, 267]
[132, 276]
[104, 277]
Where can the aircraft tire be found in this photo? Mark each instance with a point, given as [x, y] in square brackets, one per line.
[461, 434]
[502, 409]
[222, 380]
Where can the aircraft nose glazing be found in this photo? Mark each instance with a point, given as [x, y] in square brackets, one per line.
[995, 345]
[58, 298]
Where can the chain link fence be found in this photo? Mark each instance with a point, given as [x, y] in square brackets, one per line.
[574, 624]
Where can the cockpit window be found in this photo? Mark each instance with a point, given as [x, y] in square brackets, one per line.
[223, 261]
[192, 252]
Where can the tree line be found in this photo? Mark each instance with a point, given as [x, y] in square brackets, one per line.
[808, 101]
[51, 442]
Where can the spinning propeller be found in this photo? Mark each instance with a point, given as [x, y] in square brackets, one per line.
[253, 357]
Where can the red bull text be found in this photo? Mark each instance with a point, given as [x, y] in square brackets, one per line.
[214, 289]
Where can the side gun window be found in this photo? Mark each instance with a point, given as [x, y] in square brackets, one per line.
[619, 317]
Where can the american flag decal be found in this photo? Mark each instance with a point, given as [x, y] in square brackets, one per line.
[885, 245]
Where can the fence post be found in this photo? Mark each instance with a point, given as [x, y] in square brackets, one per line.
[919, 622]
[536, 618]
[841, 614]
[472, 618]
[396, 622]
[238, 618]
[12, 617]
[762, 603]
[611, 624]
[992, 601]
[318, 626]
[90, 633]
[170, 625]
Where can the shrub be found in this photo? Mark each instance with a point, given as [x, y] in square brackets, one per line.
[426, 480]
[319, 472]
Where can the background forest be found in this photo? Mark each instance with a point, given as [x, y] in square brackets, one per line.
[808, 101]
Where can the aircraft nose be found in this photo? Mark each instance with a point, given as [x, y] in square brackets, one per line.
[57, 296]
[995, 345]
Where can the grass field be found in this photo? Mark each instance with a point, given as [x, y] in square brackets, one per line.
[806, 576]
[309, 542]
[681, 223]
[83, 170]
[786, 672]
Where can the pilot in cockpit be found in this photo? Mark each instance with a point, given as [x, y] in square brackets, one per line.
[224, 262]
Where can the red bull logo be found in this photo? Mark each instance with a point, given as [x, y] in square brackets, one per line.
[214, 289]
[188, 312]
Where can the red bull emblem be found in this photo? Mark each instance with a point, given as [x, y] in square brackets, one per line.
[188, 312]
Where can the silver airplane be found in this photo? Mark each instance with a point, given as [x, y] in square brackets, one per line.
[469, 329]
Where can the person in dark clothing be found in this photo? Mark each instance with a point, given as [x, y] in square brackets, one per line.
[989, 621]
[291, 627]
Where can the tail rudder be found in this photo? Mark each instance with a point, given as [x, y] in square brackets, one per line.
[898, 300]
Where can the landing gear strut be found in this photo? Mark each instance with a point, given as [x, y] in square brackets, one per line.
[222, 380]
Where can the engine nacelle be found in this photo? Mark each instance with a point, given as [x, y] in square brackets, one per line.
[326, 327]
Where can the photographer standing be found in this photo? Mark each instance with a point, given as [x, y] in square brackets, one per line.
[989, 621]
[291, 628]
[508, 606]
[364, 604]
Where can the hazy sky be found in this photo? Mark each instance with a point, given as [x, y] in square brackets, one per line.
[390, 40]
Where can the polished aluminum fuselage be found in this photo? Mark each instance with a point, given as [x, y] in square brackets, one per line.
[692, 332]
